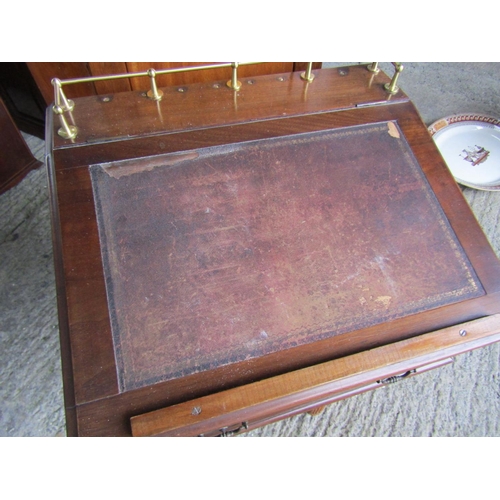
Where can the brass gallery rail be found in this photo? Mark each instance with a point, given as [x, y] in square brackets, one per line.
[63, 105]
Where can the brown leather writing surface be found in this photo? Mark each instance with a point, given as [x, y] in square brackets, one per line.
[223, 254]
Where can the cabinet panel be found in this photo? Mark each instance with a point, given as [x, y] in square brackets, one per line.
[110, 86]
[43, 73]
[16, 159]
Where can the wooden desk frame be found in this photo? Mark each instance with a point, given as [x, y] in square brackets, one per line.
[281, 383]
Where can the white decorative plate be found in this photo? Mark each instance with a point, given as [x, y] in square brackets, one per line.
[470, 146]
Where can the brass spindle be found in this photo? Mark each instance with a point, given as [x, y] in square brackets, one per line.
[234, 83]
[373, 67]
[307, 75]
[154, 93]
[392, 88]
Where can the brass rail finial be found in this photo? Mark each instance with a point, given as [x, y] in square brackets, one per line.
[392, 88]
[154, 93]
[59, 97]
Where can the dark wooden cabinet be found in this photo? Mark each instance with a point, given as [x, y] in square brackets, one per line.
[22, 98]
[228, 258]
[16, 159]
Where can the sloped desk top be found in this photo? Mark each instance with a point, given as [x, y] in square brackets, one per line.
[233, 252]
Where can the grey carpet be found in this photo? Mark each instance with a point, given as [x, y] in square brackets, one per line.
[462, 399]
[30, 376]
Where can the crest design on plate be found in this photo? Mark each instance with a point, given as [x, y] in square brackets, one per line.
[475, 155]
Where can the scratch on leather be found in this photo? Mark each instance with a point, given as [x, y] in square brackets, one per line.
[131, 167]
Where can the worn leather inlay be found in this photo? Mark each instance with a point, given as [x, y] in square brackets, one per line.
[229, 253]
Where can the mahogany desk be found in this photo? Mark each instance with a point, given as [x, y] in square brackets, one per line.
[227, 258]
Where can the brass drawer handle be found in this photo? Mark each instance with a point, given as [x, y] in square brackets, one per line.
[396, 378]
[224, 432]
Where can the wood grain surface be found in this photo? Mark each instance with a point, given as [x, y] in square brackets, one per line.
[297, 391]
